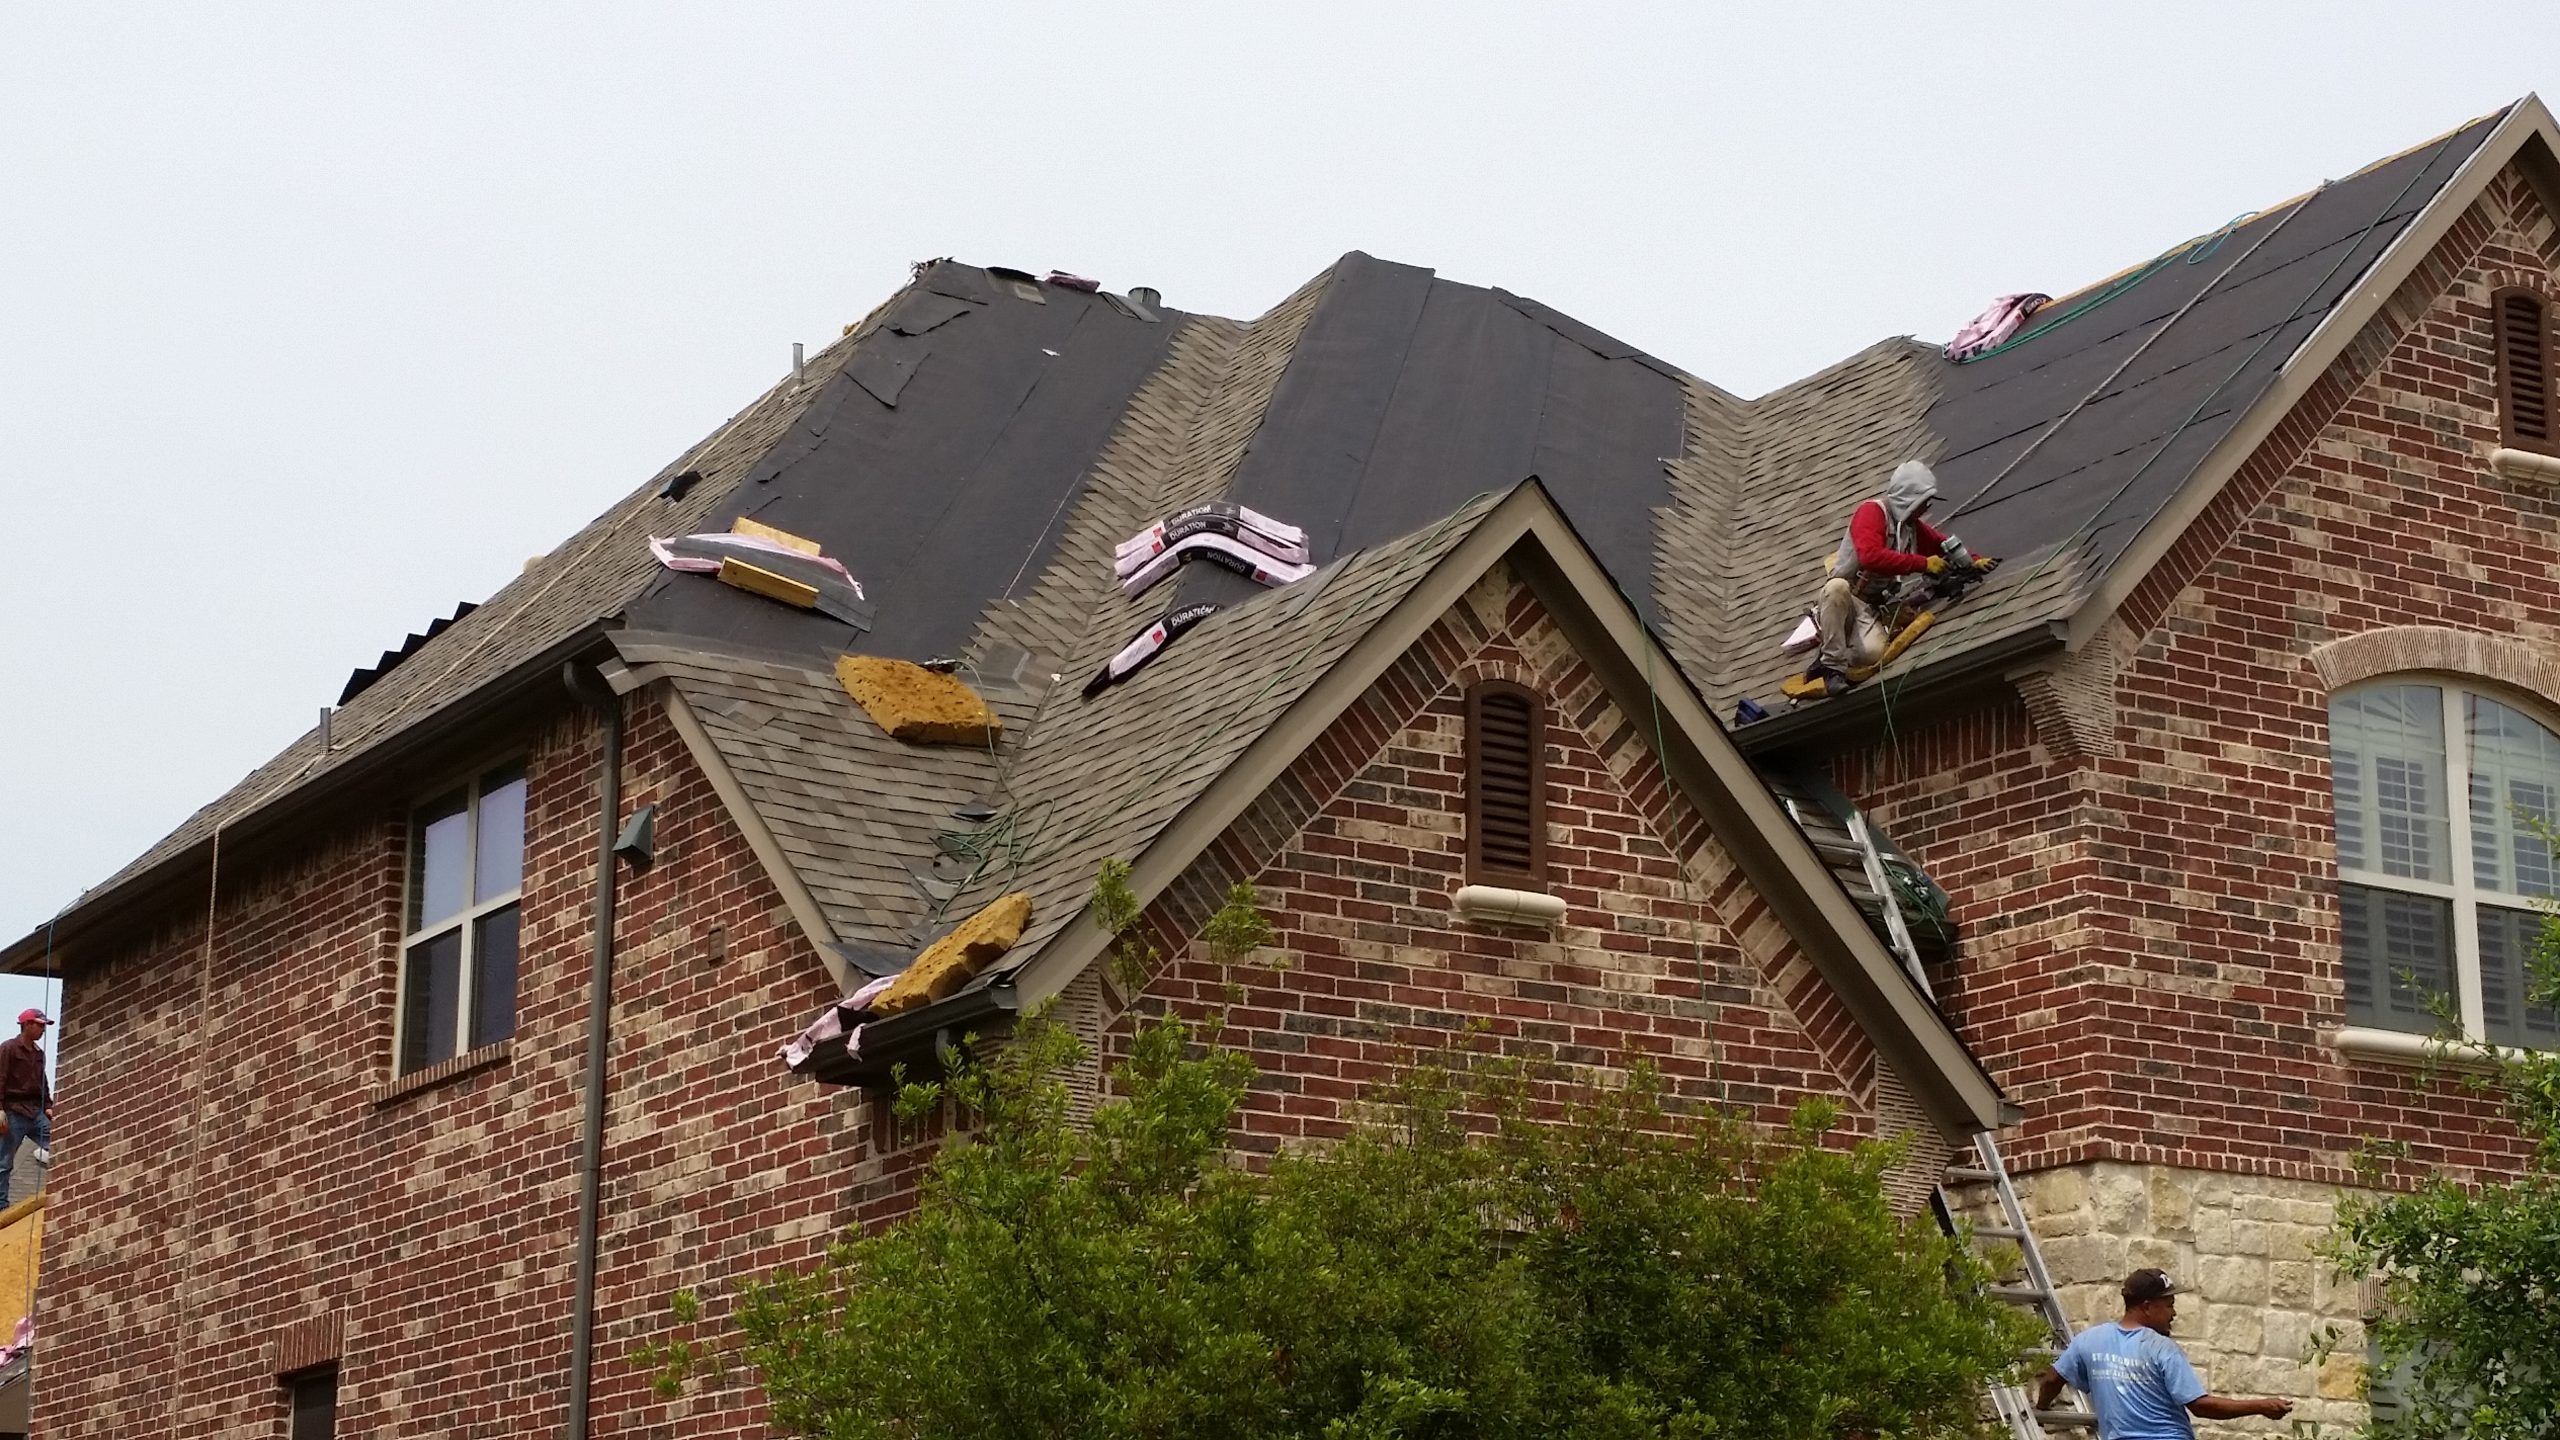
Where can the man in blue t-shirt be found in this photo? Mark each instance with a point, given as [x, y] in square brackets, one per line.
[2137, 1379]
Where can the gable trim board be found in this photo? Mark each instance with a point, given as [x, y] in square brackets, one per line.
[750, 822]
[1527, 530]
[2528, 139]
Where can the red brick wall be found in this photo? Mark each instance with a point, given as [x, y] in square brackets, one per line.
[226, 1170]
[2151, 938]
[1358, 850]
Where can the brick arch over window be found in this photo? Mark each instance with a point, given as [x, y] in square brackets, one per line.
[2518, 664]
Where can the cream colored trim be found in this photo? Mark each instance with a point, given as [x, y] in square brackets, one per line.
[2402, 1047]
[2528, 666]
[2525, 467]
[1773, 853]
[1493, 905]
[2527, 123]
[750, 823]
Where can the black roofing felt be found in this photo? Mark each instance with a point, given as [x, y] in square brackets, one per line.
[942, 463]
[2219, 325]
[941, 466]
[1408, 394]
[940, 501]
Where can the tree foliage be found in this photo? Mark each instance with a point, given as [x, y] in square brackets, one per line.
[1465, 1263]
[2469, 1273]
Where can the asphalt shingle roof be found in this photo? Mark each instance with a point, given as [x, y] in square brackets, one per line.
[975, 448]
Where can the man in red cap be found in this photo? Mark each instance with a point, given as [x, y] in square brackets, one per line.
[25, 1095]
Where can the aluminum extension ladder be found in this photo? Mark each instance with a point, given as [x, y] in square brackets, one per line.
[2034, 1290]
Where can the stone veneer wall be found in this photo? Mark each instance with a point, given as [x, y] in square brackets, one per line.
[2256, 1294]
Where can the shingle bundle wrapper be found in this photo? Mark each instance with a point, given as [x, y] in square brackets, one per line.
[911, 703]
[1145, 645]
[773, 564]
[840, 1021]
[1236, 522]
[1230, 536]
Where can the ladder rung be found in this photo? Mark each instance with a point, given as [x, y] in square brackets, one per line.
[2015, 1294]
[1970, 1175]
[2066, 1419]
[1998, 1232]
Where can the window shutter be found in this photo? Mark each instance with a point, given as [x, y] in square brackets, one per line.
[1506, 786]
[2523, 325]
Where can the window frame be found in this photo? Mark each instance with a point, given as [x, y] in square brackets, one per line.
[300, 1389]
[2508, 436]
[465, 921]
[1479, 872]
[2464, 893]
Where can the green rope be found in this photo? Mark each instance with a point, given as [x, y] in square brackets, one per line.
[2196, 252]
[1911, 666]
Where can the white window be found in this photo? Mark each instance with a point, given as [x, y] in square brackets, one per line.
[458, 964]
[2441, 866]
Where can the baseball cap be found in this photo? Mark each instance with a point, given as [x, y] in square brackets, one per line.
[33, 1014]
[2144, 1286]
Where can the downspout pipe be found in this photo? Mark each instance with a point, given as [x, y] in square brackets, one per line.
[590, 688]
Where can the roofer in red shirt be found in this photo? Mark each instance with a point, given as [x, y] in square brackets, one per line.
[1887, 538]
[25, 1094]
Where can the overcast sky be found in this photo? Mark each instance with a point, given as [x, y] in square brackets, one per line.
[316, 319]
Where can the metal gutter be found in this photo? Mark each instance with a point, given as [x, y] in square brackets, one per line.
[1832, 722]
[919, 1038]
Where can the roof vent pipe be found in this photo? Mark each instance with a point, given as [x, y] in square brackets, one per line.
[1146, 295]
[799, 362]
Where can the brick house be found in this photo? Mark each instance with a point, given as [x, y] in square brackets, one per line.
[2268, 497]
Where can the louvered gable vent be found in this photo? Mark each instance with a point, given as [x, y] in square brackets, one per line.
[1506, 786]
[2523, 321]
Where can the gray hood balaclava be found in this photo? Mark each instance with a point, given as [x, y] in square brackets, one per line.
[1912, 486]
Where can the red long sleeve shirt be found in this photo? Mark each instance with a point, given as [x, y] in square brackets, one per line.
[1876, 556]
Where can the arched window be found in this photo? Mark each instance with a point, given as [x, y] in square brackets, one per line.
[2440, 790]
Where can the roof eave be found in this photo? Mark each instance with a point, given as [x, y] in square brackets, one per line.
[1851, 717]
[133, 901]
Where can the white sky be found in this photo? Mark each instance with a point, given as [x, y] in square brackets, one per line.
[316, 319]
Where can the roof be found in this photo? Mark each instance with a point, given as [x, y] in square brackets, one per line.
[975, 447]
[1157, 772]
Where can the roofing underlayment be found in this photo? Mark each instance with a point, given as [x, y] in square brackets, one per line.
[975, 449]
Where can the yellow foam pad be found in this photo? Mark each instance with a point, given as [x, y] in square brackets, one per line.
[757, 580]
[744, 526]
[948, 963]
[912, 703]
